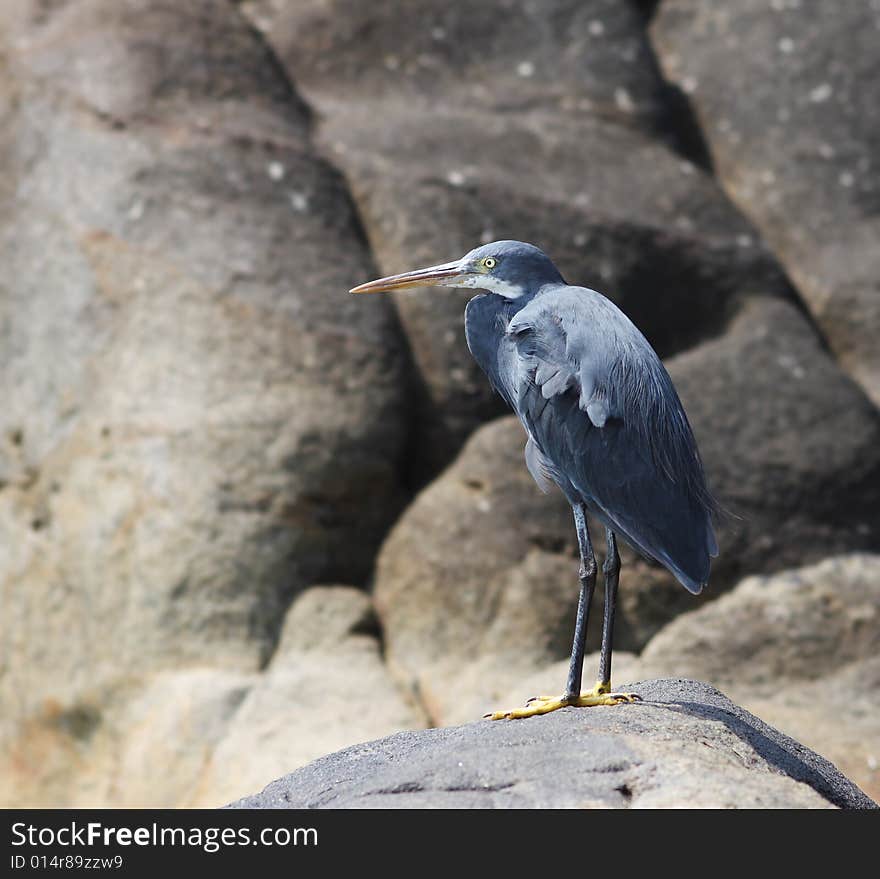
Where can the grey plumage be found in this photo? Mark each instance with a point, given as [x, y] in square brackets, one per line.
[603, 416]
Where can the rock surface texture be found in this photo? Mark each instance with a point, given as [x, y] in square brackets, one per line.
[800, 649]
[328, 656]
[686, 745]
[800, 153]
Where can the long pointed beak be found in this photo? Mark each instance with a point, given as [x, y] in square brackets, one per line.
[434, 276]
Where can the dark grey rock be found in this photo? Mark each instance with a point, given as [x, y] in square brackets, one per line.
[686, 745]
[788, 97]
[495, 55]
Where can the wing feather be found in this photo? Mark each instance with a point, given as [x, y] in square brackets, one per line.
[600, 407]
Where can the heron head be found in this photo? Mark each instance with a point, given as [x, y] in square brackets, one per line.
[509, 268]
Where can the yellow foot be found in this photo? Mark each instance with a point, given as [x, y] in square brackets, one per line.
[600, 695]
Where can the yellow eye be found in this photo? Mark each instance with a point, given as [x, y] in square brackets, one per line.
[490, 262]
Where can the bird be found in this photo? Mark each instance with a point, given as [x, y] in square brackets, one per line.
[603, 423]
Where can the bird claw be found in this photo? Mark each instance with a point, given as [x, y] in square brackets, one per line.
[496, 715]
[544, 705]
[625, 697]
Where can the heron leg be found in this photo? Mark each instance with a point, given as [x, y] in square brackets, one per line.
[587, 576]
[601, 694]
[611, 572]
[611, 575]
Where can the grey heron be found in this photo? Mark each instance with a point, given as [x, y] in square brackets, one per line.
[603, 422]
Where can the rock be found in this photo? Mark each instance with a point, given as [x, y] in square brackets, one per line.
[484, 57]
[796, 625]
[177, 724]
[800, 648]
[196, 413]
[837, 714]
[198, 723]
[198, 420]
[799, 156]
[326, 687]
[102, 751]
[614, 204]
[791, 445]
[687, 745]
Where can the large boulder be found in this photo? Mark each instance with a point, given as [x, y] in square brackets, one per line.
[101, 750]
[515, 139]
[798, 625]
[326, 687]
[685, 746]
[801, 649]
[197, 420]
[216, 733]
[788, 98]
[488, 56]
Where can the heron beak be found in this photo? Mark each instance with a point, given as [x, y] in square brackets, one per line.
[434, 276]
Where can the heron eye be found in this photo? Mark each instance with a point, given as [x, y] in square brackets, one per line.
[490, 262]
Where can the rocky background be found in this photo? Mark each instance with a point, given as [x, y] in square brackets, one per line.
[247, 519]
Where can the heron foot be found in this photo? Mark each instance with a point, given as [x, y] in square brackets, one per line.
[600, 695]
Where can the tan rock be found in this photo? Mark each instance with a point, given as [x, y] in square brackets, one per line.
[198, 420]
[326, 687]
[770, 631]
[141, 743]
[482, 564]
[797, 648]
